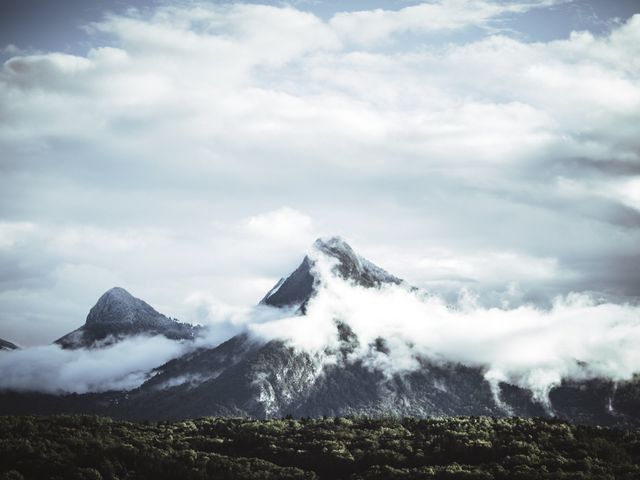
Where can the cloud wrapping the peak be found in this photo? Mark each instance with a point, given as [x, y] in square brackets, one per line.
[577, 338]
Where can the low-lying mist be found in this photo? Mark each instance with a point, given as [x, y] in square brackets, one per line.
[576, 338]
[120, 366]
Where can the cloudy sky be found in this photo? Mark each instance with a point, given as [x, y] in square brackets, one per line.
[190, 152]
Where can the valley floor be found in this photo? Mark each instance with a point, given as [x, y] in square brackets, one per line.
[94, 448]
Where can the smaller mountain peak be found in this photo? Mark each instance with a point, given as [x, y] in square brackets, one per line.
[118, 305]
[116, 293]
[118, 314]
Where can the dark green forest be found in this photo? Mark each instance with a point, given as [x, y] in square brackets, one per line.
[478, 448]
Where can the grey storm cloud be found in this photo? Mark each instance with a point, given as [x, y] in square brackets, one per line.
[196, 149]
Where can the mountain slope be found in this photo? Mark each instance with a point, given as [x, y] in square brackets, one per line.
[250, 376]
[6, 345]
[245, 376]
[118, 314]
[273, 380]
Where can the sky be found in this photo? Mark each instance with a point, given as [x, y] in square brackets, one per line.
[191, 152]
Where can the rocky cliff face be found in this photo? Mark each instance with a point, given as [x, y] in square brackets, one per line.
[117, 315]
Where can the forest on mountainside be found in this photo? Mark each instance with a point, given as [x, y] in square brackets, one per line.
[358, 448]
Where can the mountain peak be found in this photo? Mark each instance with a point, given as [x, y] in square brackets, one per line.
[117, 293]
[117, 305]
[301, 285]
[334, 243]
[349, 264]
[352, 266]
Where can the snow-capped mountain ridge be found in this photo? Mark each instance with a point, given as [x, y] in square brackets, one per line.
[117, 305]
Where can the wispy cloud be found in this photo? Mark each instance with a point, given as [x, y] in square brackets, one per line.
[371, 26]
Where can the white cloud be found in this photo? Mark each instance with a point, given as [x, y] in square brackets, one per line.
[137, 162]
[284, 224]
[243, 34]
[122, 366]
[495, 100]
[11, 232]
[488, 267]
[629, 192]
[370, 26]
[11, 49]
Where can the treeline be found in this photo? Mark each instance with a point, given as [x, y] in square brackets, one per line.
[470, 448]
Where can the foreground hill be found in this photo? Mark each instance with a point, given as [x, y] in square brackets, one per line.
[479, 448]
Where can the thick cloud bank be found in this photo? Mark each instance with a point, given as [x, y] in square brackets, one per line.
[577, 338]
[121, 366]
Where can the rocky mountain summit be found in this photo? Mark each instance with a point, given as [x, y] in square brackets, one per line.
[117, 315]
[300, 286]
